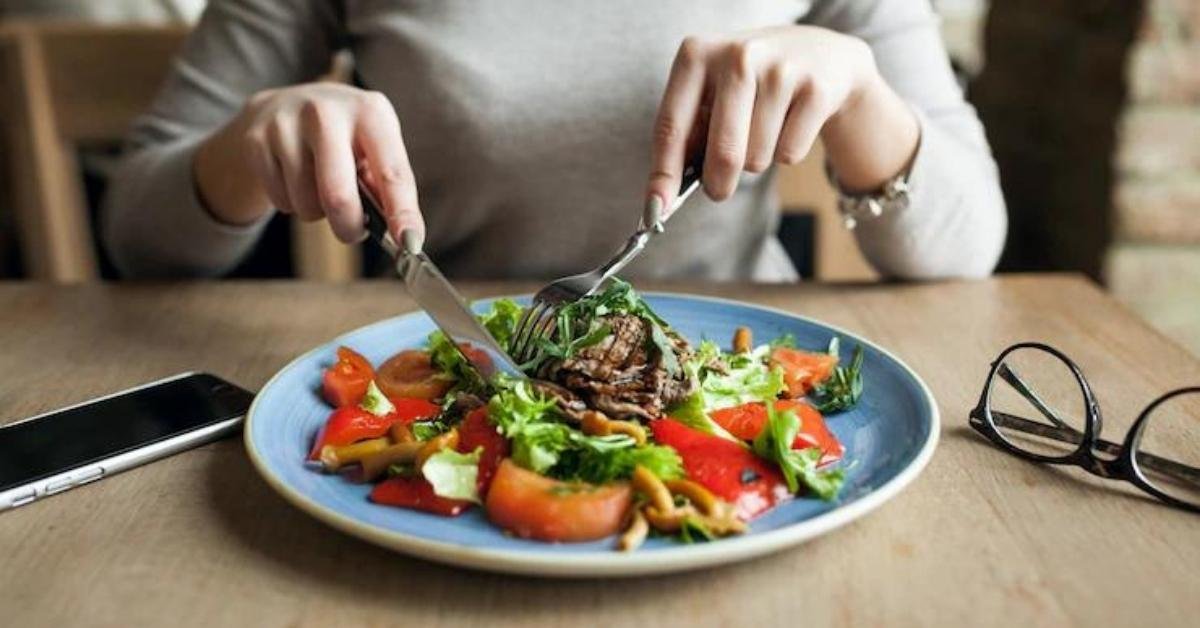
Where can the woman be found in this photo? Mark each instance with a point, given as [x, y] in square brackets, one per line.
[525, 138]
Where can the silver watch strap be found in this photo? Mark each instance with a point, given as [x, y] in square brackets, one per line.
[892, 196]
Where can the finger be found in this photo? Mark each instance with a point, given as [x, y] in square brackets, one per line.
[382, 145]
[266, 168]
[806, 116]
[327, 135]
[295, 164]
[677, 116]
[771, 102]
[729, 126]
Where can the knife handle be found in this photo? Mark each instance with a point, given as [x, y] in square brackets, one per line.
[374, 221]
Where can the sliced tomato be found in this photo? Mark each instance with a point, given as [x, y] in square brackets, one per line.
[748, 420]
[802, 371]
[476, 430]
[477, 356]
[345, 382]
[411, 374]
[537, 507]
[416, 493]
[728, 469]
[351, 424]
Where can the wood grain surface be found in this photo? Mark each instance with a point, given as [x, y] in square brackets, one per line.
[981, 538]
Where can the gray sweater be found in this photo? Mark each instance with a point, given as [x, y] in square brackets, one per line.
[528, 124]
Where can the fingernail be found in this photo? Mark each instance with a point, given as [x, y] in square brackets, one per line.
[652, 214]
[411, 241]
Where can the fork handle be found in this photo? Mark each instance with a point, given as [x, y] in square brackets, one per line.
[689, 183]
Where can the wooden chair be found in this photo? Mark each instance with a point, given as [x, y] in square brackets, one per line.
[68, 85]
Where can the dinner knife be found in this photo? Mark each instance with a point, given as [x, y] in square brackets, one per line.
[433, 292]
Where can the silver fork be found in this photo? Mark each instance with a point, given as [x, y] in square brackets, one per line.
[539, 319]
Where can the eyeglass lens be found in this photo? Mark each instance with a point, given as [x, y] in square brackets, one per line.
[1037, 404]
[1168, 452]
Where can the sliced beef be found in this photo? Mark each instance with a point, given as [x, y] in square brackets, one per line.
[623, 374]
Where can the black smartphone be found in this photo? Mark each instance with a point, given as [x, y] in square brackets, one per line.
[59, 450]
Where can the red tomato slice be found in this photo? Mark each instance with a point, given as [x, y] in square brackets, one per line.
[748, 420]
[537, 507]
[802, 371]
[478, 357]
[411, 374]
[352, 424]
[477, 431]
[416, 493]
[345, 382]
[731, 471]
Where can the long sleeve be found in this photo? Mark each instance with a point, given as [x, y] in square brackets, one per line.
[956, 222]
[153, 223]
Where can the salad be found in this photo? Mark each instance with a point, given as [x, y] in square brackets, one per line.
[623, 428]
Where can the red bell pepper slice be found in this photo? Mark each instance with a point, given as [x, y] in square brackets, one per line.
[731, 471]
[352, 423]
[416, 493]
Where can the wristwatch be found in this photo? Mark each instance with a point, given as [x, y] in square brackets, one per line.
[892, 196]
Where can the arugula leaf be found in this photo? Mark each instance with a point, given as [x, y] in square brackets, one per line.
[844, 387]
[453, 475]
[693, 530]
[658, 337]
[577, 325]
[376, 402]
[798, 466]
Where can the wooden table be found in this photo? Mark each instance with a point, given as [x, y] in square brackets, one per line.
[980, 538]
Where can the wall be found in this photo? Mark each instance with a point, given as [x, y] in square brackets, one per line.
[1154, 264]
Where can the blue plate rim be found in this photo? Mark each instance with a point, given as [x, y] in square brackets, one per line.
[614, 564]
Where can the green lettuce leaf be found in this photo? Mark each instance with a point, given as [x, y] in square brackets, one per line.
[453, 475]
[542, 441]
[376, 402]
[799, 467]
[500, 321]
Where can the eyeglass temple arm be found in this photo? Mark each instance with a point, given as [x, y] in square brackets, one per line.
[1010, 376]
[1176, 470]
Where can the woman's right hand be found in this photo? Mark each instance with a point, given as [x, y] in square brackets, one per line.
[303, 149]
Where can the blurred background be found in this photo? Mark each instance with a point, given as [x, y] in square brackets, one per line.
[1092, 109]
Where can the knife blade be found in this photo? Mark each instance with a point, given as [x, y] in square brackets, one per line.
[434, 293]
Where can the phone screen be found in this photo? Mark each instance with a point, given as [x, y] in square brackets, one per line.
[60, 441]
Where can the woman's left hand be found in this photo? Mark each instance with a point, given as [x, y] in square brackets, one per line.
[752, 99]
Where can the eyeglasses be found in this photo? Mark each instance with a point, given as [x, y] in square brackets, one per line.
[1036, 404]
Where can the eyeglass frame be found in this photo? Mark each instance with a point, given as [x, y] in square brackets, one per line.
[1123, 466]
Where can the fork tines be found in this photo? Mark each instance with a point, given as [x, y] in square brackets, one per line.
[536, 322]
